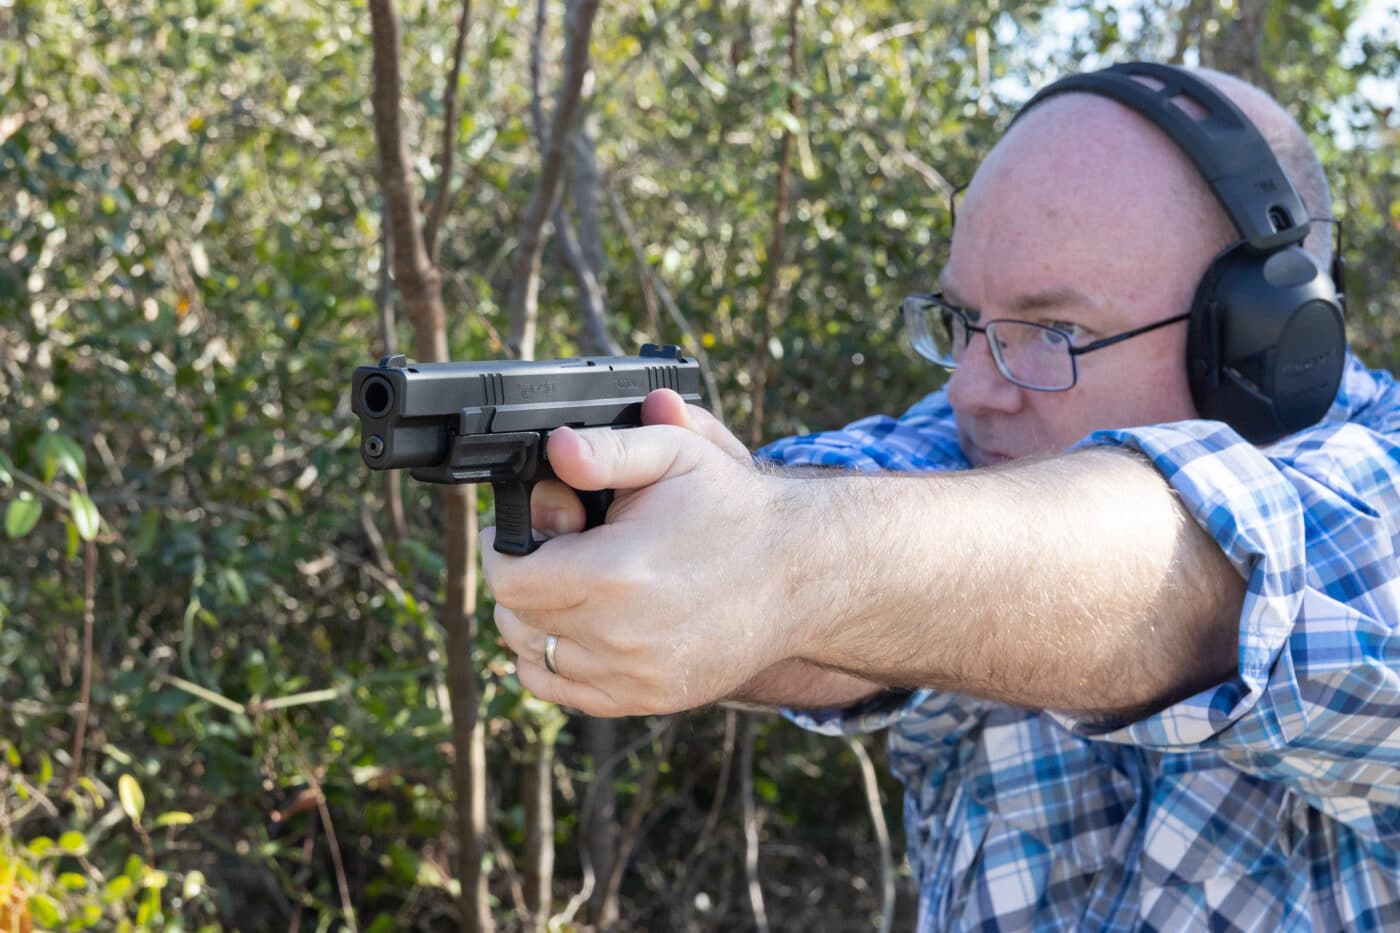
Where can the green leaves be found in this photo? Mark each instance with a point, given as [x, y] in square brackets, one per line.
[58, 452]
[61, 463]
[21, 515]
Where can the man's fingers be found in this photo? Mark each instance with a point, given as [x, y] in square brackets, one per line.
[519, 637]
[529, 583]
[555, 509]
[529, 640]
[571, 693]
[666, 407]
[601, 458]
[576, 668]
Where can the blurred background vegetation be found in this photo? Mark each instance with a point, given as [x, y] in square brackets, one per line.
[226, 698]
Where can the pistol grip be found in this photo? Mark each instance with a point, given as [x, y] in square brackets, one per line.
[513, 532]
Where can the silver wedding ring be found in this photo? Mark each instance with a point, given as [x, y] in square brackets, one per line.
[551, 642]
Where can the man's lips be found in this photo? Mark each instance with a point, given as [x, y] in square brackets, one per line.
[983, 456]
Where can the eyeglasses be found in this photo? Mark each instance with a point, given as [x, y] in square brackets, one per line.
[1033, 356]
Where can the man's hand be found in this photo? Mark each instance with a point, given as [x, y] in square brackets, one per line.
[555, 510]
[675, 601]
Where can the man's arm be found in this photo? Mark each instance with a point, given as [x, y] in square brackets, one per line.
[1073, 582]
[803, 685]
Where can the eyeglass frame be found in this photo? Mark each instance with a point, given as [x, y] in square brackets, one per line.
[936, 299]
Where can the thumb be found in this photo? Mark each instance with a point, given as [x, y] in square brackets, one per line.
[666, 407]
[629, 458]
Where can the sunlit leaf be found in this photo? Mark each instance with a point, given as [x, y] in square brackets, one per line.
[73, 842]
[193, 885]
[85, 516]
[133, 800]
[46, 911]
[21, 515]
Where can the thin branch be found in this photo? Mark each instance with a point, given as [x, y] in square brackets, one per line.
[870, 41]
[668, 302]
[507, 863]
[596, 340]
[640, 804]
[438, 210]
[721, 782]
[537, 72]
[600, 775]
[384, 295]
[75, 765]
[882, 832]
[760, 916]
[346, 907]
[420, 287]
[525, 278]
[393, 495]
[773, 285]
[584, 257]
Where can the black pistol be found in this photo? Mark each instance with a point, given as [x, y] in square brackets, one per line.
[488, 422]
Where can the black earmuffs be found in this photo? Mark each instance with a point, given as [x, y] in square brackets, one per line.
[1266, 341]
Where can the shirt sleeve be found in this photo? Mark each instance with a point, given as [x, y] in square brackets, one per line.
[1312, 523]
[924, 438]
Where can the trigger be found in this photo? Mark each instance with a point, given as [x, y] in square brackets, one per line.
[595, 506]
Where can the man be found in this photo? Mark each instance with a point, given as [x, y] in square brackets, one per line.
[1136, 677]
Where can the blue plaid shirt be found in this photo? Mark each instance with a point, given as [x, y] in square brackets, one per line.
[1270, 802]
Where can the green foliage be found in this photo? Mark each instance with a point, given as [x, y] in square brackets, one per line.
[190, 219]
[86, 876]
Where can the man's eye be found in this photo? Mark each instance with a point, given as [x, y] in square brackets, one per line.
[1075, 333]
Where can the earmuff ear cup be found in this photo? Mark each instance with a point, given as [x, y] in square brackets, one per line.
[1266, 342]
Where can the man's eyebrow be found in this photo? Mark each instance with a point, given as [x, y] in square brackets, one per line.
[1046, 299]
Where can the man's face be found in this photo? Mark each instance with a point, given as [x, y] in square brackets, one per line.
[1084, 217]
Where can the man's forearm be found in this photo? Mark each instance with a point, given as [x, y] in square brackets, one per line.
[1074, 582]
[804, 685]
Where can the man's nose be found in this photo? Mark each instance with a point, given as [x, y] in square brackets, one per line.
[978, 385]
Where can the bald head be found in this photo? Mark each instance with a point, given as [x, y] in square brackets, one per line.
[1280, 131]
[1099, 183]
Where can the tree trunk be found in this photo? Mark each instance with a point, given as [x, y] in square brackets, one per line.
[468, 731]
[600, 741]
[420, 285]
[537, 791]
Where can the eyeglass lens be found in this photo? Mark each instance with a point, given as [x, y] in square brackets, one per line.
[1028, 354]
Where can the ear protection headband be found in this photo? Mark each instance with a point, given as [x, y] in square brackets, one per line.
[1266, 340]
